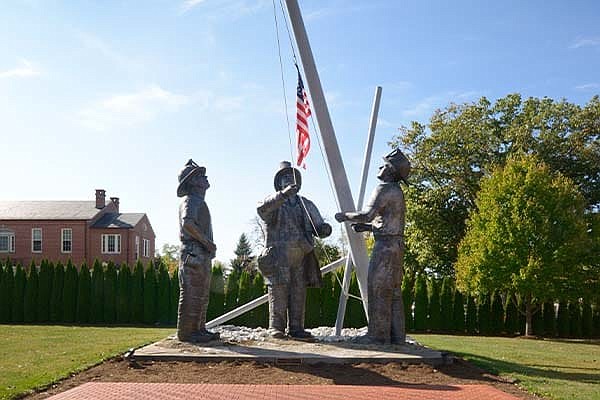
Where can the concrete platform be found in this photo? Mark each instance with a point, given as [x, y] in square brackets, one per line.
[172, 391]
[289, 352]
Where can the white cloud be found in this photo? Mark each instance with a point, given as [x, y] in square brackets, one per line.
[585, 42]
[189, 4]
[131, 108]
[25, 70]
[588, 86]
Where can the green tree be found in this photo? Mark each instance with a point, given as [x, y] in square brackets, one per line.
[435, 318]
[97, 315]
[150, 294]
[329, 303]
[563, 323]
[216, 303]
[511, 318]
[18, 294]
[6, 293]
[110, 293]
[31, 290]
[527, 235]
[458, 312]
[244, 296]
[56, 301]
[471, 315]
[169, 256]
[549, 318]
[231, 290]
[137, 293]
[164, 294]
[586, 319]
[446, 304]
[243, 253]
[261, 313]
[421, 303]
[497, 315]
[70, 293]
[483, 314]
[124, 295]
[84, 292]
[174, 296]
[407, 301]
[575, 328]
[596, 321]
[355, 312]
[464, 142]
[44, 292]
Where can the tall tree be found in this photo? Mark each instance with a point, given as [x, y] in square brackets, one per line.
[110, 293]
[243, 253]
[31, 290]
[70, 293]
[18, 294]
[44, 292]
[164, 294]
[527, 235]
[124, 294]
[446, 304]
[421, 303]
[56, 301]
[465, 142]
[137, 293]
[150, 294]
[97, 314]
[84, 292]
[6, 293]
[435, 317]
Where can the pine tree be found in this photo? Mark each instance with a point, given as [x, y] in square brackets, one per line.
[56, 300]
[70, 293]
[471, 317]
[563, 323]
[84, 292]
[596, 321]
[150, 294]
[124, 294]
[537, 321]
[549, 319]
[31, 289]
[44, 292]
[243, 254]
[586, 320]
[137, 293]
[174, 296]
[355, 312]
[511, 318]
[421, 304]
[483, 314]
[97, 314]
[458, 312]
[164, 295]
[261, 313]
[6, 293]
[407, 301]
[497, 315]
[231, 290]
[110, 294]
[446, 304]
[575, 330]
[329, 304]
[244, 293]
[216, 303]
[435, 318]
[18, 294]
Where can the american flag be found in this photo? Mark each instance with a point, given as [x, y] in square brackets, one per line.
[302, 114]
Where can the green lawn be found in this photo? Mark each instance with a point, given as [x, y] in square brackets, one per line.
[33, 356]
[555, 369]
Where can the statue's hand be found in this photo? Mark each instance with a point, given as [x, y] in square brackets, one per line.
[211, 247]
[360, 227]
[341, 217]
[290, 191]
[324, 230]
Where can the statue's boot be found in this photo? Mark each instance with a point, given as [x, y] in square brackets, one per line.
[204, 336]
[276, 333]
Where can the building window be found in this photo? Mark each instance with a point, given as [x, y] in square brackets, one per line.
[67, 240]
[111, 244]
[36, 240]
[146, 248]
[137, 247]
[7, 242]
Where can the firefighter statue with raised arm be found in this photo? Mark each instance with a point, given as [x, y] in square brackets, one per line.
[197, 252]
[384, 216]
[288, 262]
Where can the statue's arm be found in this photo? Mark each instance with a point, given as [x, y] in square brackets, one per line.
[192, 229]
[269, 205]
[368, 213]
[323, 229]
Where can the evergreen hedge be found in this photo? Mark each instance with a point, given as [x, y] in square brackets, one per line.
[31, 290]
[44, 292]
[421, 304]
[458, 312]
[562, 321]
[164, 295]
[471, 316]
[69, 307]
[56, 298]
[123, 310]
[97, 314]
[435, 318]
[549, 319]
[109, 292]
[446, 306]
[150, 294]
[84, 292]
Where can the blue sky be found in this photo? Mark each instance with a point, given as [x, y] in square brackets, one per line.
[120, 94]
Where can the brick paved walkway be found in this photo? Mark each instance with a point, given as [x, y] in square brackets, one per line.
[174, 391]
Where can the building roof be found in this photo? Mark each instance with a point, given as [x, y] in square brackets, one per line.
[116, 220]
[42, 210]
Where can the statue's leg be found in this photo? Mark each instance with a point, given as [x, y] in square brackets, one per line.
[278, 304]
[202, 288]
[380, 293]
[297, 299]
[188, 313]
[398, 317]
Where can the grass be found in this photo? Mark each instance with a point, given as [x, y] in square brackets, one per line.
[34, 356]
[554, 369]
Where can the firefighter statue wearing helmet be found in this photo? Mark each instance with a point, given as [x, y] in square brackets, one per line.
[384, 216]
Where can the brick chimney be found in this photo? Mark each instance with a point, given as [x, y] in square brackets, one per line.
[115, 201]
[100, 198]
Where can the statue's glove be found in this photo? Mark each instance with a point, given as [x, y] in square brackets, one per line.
[290, 191]
[324, 230]
[361, 227]
[341, 217]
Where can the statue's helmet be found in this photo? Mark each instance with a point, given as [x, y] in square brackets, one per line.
[190, 169]
[285, 167]
[400, 163]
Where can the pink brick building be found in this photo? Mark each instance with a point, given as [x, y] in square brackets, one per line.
[76, 230]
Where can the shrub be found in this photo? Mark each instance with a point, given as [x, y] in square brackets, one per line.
[549, 319]
[497, 315]
[70, 293]
[407, 301]
[458, 312]
[97, 293]
[511, 319]
[124, 294]
[164, 295]
[110, 293]
[483, 314]
[84, 292]
[6, 293]
[216, 303]
[137, 293]
[261, 313]
[446, 315]
[44, 292]
[31, 290]
[587, 320]
[174, 296]
[56, 299]
[435, 318]
[231, 290]
[421, 303]
[329, 303]
[563, 323]
[471, 317]
[575, 329]
[150, 294]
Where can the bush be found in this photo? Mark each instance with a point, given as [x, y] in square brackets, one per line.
[458, 312]
[435, 318]
[596, 321]
[483, 314]
[549, 319]
[6, 293]
[497, 315]
[174, 296]
[216, 303]
[511, 319]
[44, 292]
[110, 293]
[244, 296]
[137, 293]
[471, 318]
[329, 303]
[124, 294]
[84, 292]
[31, 290]
[261, 313]
[355, 312]
[56, 299]
[70, 293]
[407, 301]
[421, 304]
[164, 295]
[97, 293]
[18, 294]
[587, 320]
[563, 323]
[446, 307]
[575, 329]
[231, 291]
[150, 294]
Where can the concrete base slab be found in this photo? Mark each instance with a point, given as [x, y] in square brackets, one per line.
[289, 352]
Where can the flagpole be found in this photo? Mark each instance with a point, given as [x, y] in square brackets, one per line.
[343, 193]
[339, 322]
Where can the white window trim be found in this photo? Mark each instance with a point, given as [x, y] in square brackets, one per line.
[41, 240]
[146, 248]
[62, 240]
[104, 243]
[137, 247]
[11, 242]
